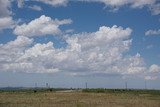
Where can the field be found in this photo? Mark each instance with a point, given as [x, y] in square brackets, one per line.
[84, 98]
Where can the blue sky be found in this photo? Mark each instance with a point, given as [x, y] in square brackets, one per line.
[68, 43]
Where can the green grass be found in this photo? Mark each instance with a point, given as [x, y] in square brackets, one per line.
[130, 91]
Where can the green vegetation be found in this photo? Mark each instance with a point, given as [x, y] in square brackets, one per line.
[129, 91]
[30, 90]
[84, 98]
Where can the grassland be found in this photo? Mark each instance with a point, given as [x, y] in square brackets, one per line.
[84, 98]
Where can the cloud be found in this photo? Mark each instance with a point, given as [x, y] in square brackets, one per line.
[116, 4]
[119, 3]
[11, 51]
[155, 9]
[97, 53]
[110, 3]
[5, 6]
[41, 26]
[6, 23]
[154, 68]
[35, 7]
[152, 32]
[14, 50]
[142, 3]
[20, 3]
[150, 77]
[153, 5]
[69, 31]
[153, 72]
[113, 3]
[101, 52]
[55, 3]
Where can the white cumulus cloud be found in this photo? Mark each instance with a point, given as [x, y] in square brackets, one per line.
[153, 72]
[41, 26]
[154, 68]
[12, 50]
[6, 22]
[100, 52]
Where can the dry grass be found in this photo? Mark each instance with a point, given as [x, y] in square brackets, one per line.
[77, 99]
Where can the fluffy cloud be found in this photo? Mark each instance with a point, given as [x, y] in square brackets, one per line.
[35, 7]
[6, 22]
[5, 6]
[41, 26]
[154, 68]
[153, 72]
[152, 32]
[11, 51]
[98, 52]
[14, 50]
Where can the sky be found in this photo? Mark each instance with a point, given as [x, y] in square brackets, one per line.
[67, 43]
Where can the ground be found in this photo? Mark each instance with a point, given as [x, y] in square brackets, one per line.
[77, 99]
